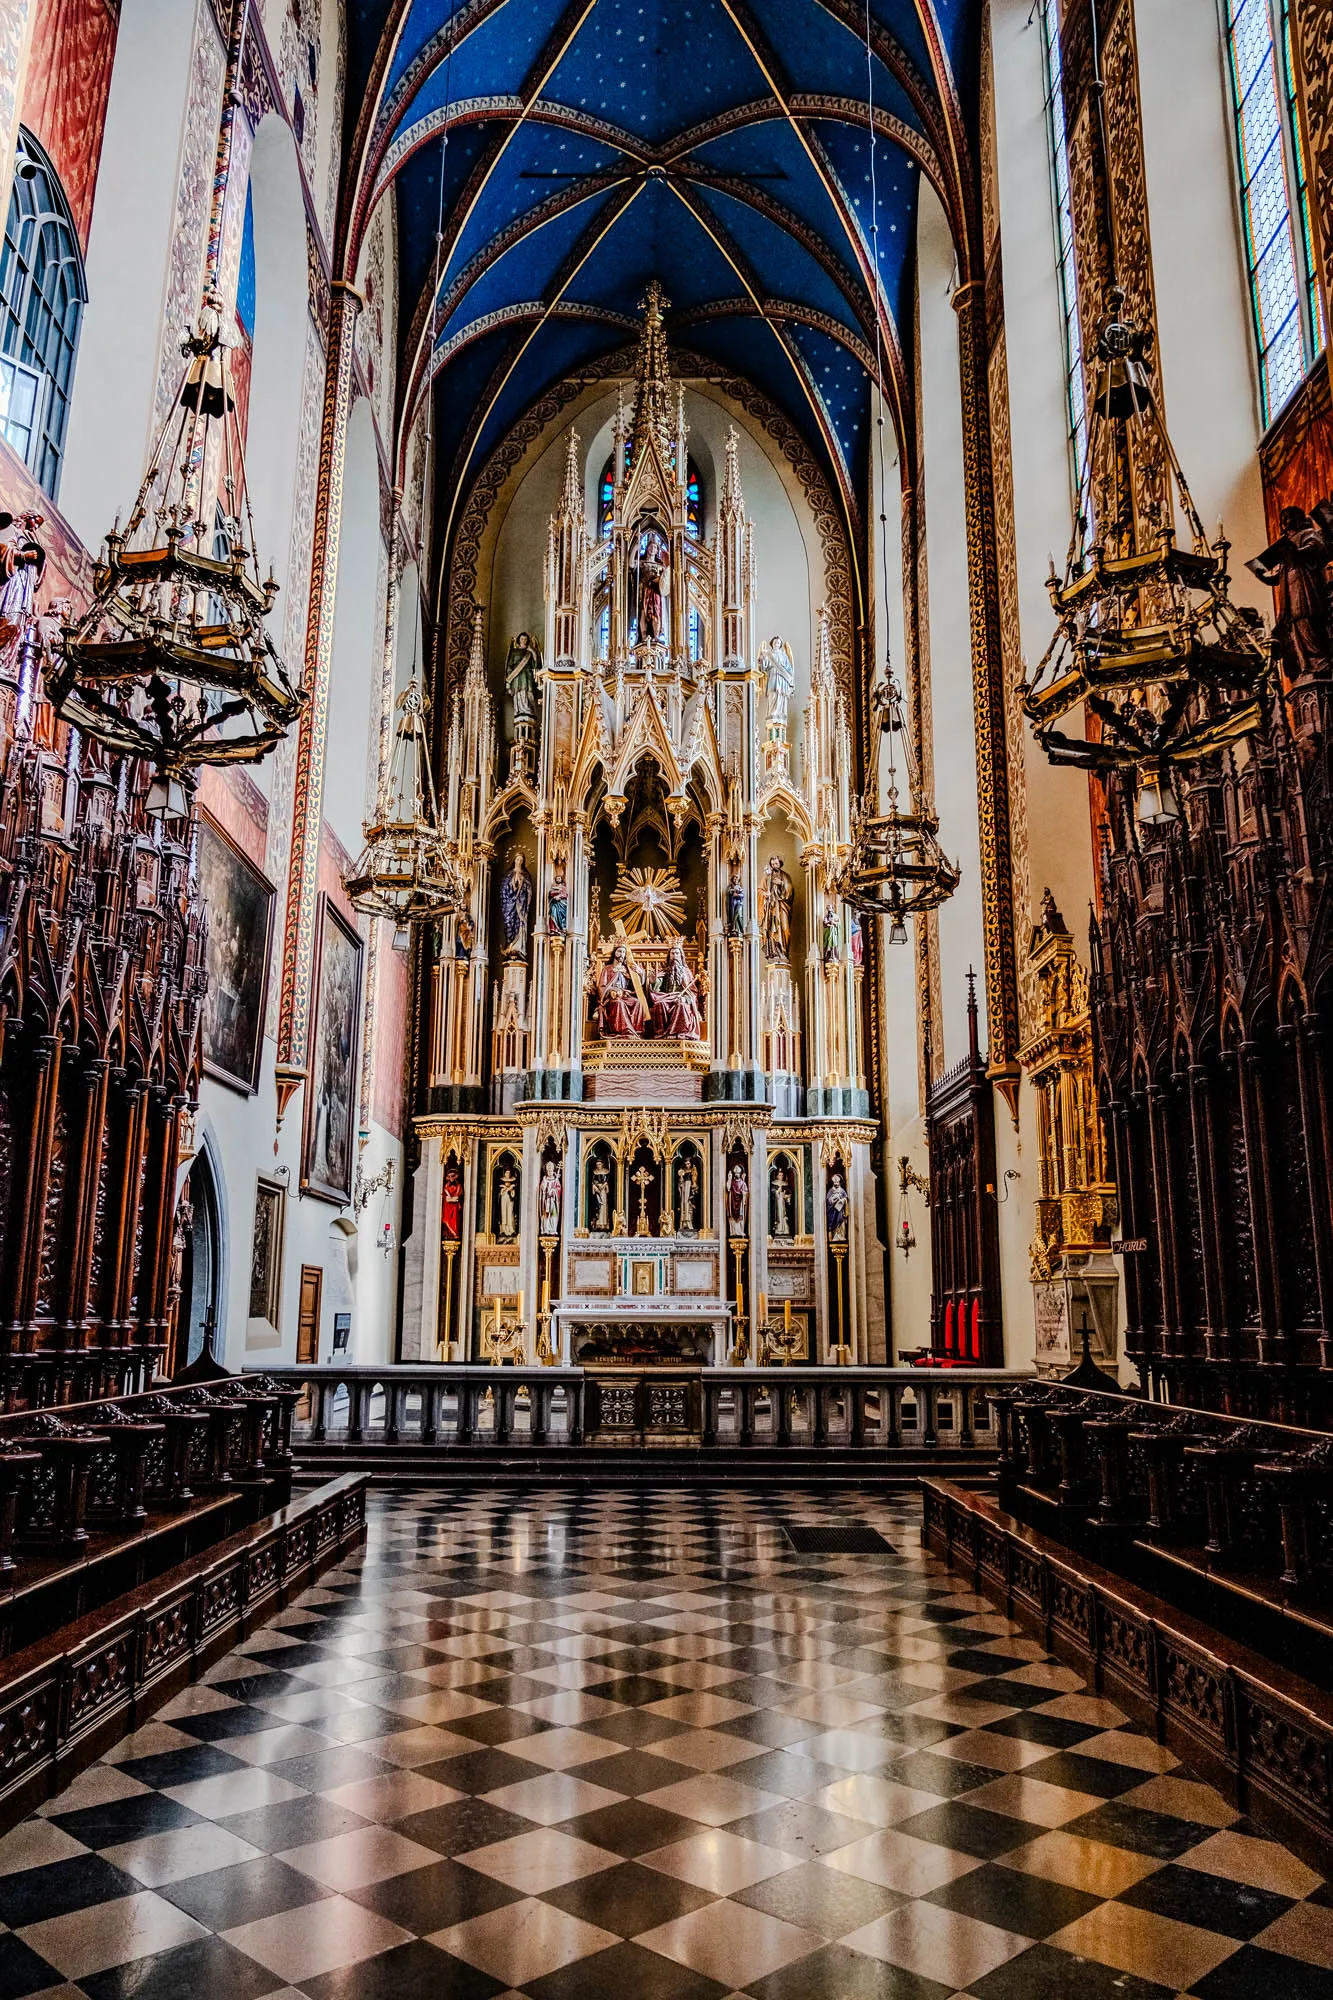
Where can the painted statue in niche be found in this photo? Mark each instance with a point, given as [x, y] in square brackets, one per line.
[735, 898]
[830, 938]
[548, 1201]
[779, 681]
[557, 903]
[777, 897]
[738, 1199]
[675, 997]
[507, 1205]
[1297, 567]
[687, 1196]
[780, 1202]
[451, 1202]
[622, 1007]
[599, 1219]
[465, 934]
[653, 568]
[521, 670]
[836, 1205]
[857, 943]
[516, 906]
[22, 560]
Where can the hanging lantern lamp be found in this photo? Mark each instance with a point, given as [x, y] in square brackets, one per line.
[406, 871]
[172, 660]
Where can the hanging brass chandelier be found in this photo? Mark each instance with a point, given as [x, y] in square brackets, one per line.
[1147, 639]
[406, 871]
[172, 659]
[895, 866]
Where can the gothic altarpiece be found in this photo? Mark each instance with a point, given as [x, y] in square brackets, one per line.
[651, 1130]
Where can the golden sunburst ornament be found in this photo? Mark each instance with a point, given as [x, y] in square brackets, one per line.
[649, 902]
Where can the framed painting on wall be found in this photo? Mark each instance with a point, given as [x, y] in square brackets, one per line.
[239, 901]
[328, 1143]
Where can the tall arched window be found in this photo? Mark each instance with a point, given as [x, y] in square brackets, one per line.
[1275, 201]
[42, 294]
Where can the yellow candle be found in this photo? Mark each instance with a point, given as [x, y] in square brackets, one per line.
[520, 1305]
[497, 1313]
[786, 1315]
[763, 1308]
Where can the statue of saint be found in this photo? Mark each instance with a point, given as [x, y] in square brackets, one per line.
[735, 899]
[465, 934]
[780, 1192]
[1297, 566]
[687, 1197]
[601, 1199]
[776, 901]
[858, 943]
[779, 681]
[557, 905]
[508, 1229]
[451, 1202]
[521, 670]
[738, 1200]
[548, 1201]
[22, 560]
[622, 1006]
[835, 1207]
[654, 568]
[516, 906]
[675, 997]
[831, 940]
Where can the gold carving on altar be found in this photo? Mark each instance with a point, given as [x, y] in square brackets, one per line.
[1076, 1207]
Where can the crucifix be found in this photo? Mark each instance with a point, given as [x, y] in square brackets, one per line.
[643, 1180]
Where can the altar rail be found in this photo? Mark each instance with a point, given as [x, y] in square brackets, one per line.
[880, 1412]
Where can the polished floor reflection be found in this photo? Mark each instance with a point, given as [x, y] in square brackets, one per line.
[562, 1744]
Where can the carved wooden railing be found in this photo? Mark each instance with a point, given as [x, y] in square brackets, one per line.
[772, 1410]
[102, 1471]
[1184, 1496]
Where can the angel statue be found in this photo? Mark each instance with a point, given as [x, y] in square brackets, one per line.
[675, 997]
[521, 670]
[779, 680]
[516, 906]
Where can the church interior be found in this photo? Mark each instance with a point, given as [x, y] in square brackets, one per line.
[666, 1117]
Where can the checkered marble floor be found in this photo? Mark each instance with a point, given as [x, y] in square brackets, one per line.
[560, 1744]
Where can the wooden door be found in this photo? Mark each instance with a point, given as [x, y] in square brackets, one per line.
[307, 1325]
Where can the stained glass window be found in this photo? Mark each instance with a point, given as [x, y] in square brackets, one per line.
[1075, 386]
[1271, 166]
[42, 295]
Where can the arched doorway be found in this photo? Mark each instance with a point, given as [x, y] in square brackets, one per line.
[199, 1222]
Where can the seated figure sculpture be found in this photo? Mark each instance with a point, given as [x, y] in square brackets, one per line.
[675, 998]
[621, 1008]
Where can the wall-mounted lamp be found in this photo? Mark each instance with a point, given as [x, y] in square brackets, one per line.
[908, 1178]
[1010, 1174]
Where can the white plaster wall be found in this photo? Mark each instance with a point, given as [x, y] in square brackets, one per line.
[909, 1277]
[128, 254]
[1204, 328]
[357, 636]
[950, 627]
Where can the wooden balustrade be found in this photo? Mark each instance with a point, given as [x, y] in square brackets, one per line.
[1234, 1519]
[828, 1410]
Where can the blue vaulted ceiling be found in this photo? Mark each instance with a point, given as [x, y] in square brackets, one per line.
[576, 149]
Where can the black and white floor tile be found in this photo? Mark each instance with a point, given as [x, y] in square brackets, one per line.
[633, 1745]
